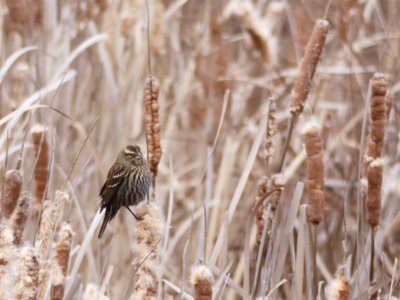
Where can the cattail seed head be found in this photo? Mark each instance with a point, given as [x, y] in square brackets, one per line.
[151, 91]
[308, 66]
[19, 217]
[41, 172]
[202, 281]
[315, 174]
[12, 189]
[28, 274]
[374, 193]
[62, 250]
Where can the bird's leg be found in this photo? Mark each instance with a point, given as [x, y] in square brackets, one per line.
[136, 217]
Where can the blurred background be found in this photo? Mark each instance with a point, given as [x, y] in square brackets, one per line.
[78, 67]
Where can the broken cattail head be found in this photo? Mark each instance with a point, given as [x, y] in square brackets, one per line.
[315, 174]
[202, 281]
[12, 189]
[308, 66]
[374, 193]
[19, 217]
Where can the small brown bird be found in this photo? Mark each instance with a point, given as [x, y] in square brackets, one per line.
[128, 183]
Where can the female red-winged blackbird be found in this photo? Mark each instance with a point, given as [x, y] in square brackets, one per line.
[128, 183]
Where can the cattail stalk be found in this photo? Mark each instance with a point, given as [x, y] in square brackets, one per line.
[19, 217]
[154, 150]
[12, 190]
[51, 215]
[315, 175]
[28, 274]
[202, 281]
[308, 66]
[146, 262]
[41, 171]
[63, 248]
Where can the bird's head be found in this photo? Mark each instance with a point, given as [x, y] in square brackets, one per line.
[131, 154]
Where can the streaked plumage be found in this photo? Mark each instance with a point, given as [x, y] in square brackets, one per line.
[128, 183]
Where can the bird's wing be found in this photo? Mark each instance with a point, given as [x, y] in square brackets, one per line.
[115, 177]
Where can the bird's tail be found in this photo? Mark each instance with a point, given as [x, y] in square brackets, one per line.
[107, 218]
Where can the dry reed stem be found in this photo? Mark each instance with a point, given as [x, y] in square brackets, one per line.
[308, 66]
[28, 274]
[51, 215]
[19, 217]
[315, 175]
[339, 289]
[41, 172]
[148, 234]
[12, 189]
[202, 281]
[374, 193]
[63, 248]
[151, 91]
[92, 292]
[270, 132]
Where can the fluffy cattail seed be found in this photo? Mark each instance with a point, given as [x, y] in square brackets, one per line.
[308, 66]
[339, 288]
[12, 189]
[28, 274]
[41, 172]
[315, 175]
[19, 217]
[202, 281]
[63, 248]
[146, 263]
[93, 292]
[51, 215]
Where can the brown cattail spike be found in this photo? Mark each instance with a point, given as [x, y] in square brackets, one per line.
[19, 217]
[41, 172]
[378, 118]
[63, 248]
[308, 66]
[151, 91]
[12, 189]
[28, 275]
[315, 175]
[202, 281]
[374, 193]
